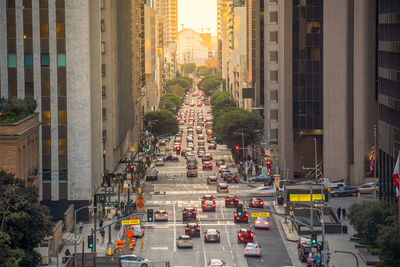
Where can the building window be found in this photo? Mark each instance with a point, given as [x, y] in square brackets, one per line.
[63, 175]
[103, 70]
[61, 61]
[62, 146]
[28, 89]
[104, 135]
[12, 89]
[46, 173]
[102, 25]
[60, 31]
[273, 37]
[273, 56]
[10, 4]
[11, 31]
[44, 30]
[313, 27]
[273, 75]
[44, 4]
[102, 4]
[12, 60]
[46, 146]
[62, 89]
[27, 31]
[273, 17]
[45, 88]
[28, 60]
[46, 118]
[62, 117]
[103, 90]
[103, 47]
[27, 4]
[45, 58]
[60, 3]
[104, 113]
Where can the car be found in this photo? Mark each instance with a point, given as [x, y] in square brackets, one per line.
[243, 218]
[368, 188]
[207, 165]
[223, 188]
[212, 235]
[172, 158]
[259, 178]
[192, 229]
[184, 241]
[245, 235]
[231, 178]
[200, 144]
[207, 197]
[261, 223]
[256, 203]
[200, 137]
[216, 263]
[345, 191]
[161, 215]
[212, 146]
[163, 143]
[262, 191]
[138, 230]
[220, 162]
[209, 205]
[191, 164]
[212, 180]
[126, 260]
[221, 168]
[160, 162]
[191, 172]
[206, 157]
[160, 155]
[189, 213]
[252, 249]
[151, 174]
[231, 201]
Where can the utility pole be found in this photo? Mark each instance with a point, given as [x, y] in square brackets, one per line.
[316, 158]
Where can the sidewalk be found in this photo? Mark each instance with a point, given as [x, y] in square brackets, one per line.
[336, 242]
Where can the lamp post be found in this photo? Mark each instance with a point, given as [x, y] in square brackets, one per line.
[81, 208]
[316, 158]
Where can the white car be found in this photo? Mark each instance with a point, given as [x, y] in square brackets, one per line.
[263, 191]
[252, 249]
[138, 230]
[216, 263]
[160, 162]
[261, 223]
[127, 260]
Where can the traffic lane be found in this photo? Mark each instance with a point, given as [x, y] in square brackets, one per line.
[158, 244]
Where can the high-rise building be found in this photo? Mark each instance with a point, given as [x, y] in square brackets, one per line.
[50, 50]
[388, 92]
[224, 34]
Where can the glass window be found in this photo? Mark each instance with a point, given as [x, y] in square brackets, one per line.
[102, 4]
[313, 27]
[60, 3]
[27, 4]
[28, 89]
[103, 70]
[45, 60]
[102, 25]
[103, 47]
[44, 4]
[61, 61]
[46, 117]
[11, 30]
[46, 146]
[103, 91]
[62, 146]
[27, 31]
[273, 16]
[12, 89]
[45, 88]
[10, 3]
[62, 117]
[12, 60]
[60, 31]
[46, 175]
[62, 89]
[28, 60]
[44, 30]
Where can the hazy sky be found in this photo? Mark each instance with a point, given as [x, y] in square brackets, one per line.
[197, 13]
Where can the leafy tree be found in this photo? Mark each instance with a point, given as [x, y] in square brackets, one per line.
[13, 110]
[388, 243]
[24, 222]
[217, 95]
[176, 89]
[211, 83]
[221, 102]
[204, 71]
[230, 124]
[172, 102]
[162, 122]
[184, 82]
[188, 68]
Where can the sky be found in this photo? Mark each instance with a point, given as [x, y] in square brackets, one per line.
[195, 14]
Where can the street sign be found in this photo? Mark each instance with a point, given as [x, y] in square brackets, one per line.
[140, 204]
[319, 201]
[119, 243]
[129, 233]
[260, 214]
[130, 222]
[139, 198]
[112, 203]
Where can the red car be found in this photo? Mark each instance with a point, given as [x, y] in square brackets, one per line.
[189, 213]
[245, 235]
[207, 165]
[243, 218]
[207, 197]
[192, 229]
[231, 201]
[209, 205]
[256, 203]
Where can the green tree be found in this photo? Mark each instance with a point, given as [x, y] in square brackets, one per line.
[204, 71]
[171, 101]
[388, 243]
[13, 110]
[176, 89]
[211, 83]
[221, 102]
[24, 222]
[217, 95]
[184, 82]
[230, 124]
[162, 122]
[189, 68]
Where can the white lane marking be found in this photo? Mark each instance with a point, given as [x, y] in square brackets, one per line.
[159, 248]
[229, 240]
[173, 240]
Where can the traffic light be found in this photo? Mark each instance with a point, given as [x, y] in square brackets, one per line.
[269, 173]
[269, 163]
[215, 138]
[239, 210]
[313, 238]
[131, 167]
[150, 215]
[90, 241]
[170, 137]
[178, 148]
[237, 147]
[147, 150]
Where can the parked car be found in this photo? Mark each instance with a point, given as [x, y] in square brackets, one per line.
[127, 260]
[368, 188]
[345, 191]
[263, 191]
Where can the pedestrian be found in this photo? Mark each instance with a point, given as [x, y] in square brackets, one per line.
[101, 223]
[80, 227]
[344, 213]
[102, 233]
[339, 211]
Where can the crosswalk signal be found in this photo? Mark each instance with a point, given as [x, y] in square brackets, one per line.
[131, 168]
[269, 163]
[237, 147]
[150, 215]
[90, 241]
[313, 238]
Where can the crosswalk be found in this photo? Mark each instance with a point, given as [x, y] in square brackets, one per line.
[186, 203]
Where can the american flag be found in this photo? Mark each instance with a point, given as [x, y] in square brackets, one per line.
[371, 159]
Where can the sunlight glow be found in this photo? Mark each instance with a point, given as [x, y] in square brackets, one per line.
[195, 14]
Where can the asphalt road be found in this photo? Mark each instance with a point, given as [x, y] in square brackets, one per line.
[174, 191]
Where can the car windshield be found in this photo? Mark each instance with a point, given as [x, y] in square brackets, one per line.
[216, 262]
[209, 202]
[212, 232]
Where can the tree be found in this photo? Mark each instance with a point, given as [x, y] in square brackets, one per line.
[172, 102]
[184, 82]
[388, 243]
[204, 71]
[211, 83]
[217, 95]
[188, 68]
[230, 124]
[176, 89]
[222, 101]
[24, 222]
[161, 122]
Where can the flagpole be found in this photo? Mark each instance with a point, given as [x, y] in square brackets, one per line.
[375, 165]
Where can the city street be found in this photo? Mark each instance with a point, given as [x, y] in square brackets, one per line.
[173, 191]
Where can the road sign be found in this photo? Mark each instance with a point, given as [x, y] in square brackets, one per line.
[319, 201]
[260, 214]
[139, 198]
[129, 233]
[129, 222]
[119, 243]
[140, 204]
[113, 203]
[267, 151]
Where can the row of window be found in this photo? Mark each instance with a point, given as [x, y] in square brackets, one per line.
[62, 117]
[28, 60]
[62, 146]
[44, 31]
[63, 175]
[28, 4]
